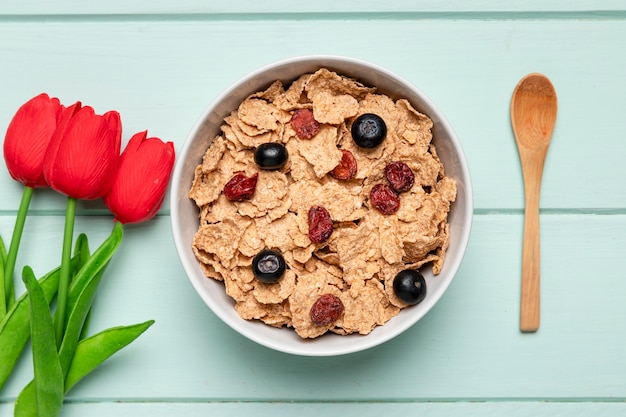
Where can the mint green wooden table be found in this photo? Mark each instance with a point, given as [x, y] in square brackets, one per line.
[161, 63]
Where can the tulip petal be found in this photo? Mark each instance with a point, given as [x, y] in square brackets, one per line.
[85, 156]
[142, 179]
[49, 166]
[27, 139]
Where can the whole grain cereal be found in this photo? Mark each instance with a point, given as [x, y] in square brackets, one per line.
[356, 264]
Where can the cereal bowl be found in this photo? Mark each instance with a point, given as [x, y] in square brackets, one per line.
[185, 213]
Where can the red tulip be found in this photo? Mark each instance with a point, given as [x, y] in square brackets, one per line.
[142, 178]
[84, 153]
[27, 139]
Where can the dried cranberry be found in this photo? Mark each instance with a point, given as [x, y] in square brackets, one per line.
[320, 224]
[240, 187]
[326, 310]
[347, 167]
[385, 199]
[304, 123]
[399, 176]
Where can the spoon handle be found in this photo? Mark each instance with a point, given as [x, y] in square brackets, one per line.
[529, 306]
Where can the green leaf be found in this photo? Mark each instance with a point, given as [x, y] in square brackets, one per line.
[15, 328]
[3, 251]
[26, 403]
[90, 353]
[4, 300]
[98, 260]
[48, 379]
[81, 248]
[84, 332]
[94, 350]
[82, 292]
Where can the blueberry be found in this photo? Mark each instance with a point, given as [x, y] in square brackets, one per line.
[268, 266]
[368, 130]
[271, 155]
[410, 286]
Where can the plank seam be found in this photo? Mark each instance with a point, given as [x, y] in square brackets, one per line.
[192, 400]
[303, 16]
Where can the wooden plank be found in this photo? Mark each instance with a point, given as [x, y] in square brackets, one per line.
[76, 7]
[161, 74]
[160, 64]
[447, 409]
[467, 348]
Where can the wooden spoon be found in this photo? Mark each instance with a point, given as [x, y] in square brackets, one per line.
[533, 114]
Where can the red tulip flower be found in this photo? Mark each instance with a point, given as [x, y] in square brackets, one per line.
[142, 179]
[77, 153]
[27, 139]
[83, 155]
[25, 145]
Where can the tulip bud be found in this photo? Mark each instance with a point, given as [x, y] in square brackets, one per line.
[27, 139]
[84, 153]
[142, 179]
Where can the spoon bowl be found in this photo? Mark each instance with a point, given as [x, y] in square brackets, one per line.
[533, 115]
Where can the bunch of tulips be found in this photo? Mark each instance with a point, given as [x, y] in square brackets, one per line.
[76, 152]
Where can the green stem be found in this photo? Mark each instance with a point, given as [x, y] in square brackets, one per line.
[64, 279]
[9, 267]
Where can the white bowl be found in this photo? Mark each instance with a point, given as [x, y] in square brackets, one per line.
[184, 213]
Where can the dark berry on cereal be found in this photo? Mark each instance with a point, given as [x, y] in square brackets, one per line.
[347, 166]
[368, 130]
[409, 286]
[271, 155]
[240, 187]
[320, 224]
[400, 176]
[268, 266]
[304, 123]
[384, 199]
[326, 310]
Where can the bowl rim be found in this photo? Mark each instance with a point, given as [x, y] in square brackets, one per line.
[364, 343]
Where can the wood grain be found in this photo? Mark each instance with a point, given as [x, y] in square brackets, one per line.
[161, 63]
[190, 355]
[253, 8]
[178, 67]
[444, 408]
[533, 116]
